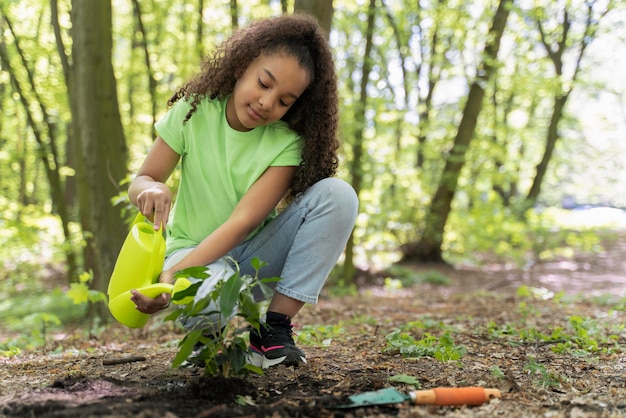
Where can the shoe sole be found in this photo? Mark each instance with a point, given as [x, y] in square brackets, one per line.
[259, 360]
[255, 359]
[295, 362]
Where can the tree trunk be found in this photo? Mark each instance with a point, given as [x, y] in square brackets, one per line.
[200, 29]
[555, 52]
[551, 140]
[143, 40]
[322, 10]
[356, 165]
[428, 47]
[428, 248]
[234, 14]
[99, 135]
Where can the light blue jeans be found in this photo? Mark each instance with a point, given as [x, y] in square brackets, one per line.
[301, 245]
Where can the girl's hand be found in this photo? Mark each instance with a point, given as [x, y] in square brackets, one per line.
[167, 276]
[149, 305]
[155, 202]
[148, 190]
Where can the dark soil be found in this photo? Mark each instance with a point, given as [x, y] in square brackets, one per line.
[73, 378]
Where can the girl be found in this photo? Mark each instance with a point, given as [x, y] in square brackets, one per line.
[257, 124]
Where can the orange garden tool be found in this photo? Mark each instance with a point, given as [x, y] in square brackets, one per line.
[438, 396]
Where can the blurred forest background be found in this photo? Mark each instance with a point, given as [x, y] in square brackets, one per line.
[474, 132]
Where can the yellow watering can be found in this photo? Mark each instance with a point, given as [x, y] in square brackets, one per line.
[138, 266]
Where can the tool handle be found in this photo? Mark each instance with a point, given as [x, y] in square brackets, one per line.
[454, 396]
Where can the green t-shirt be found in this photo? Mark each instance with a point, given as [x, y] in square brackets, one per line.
[218, 166]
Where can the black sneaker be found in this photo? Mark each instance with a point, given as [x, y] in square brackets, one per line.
[275, 344]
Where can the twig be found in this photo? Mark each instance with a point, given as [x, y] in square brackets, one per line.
[122, 360]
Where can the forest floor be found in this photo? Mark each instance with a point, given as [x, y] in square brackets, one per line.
[557, 349]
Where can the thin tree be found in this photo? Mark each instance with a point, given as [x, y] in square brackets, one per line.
[200, 29]
[234, 14]
[358, 151]
[46, 135]
[556, 44]
[143, 42]
[428, 248]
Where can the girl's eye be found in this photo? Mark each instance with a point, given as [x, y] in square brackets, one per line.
[263, 85]
[282, 103]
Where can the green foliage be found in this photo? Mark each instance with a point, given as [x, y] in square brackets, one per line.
[320, 335]
[81, 293]
[224, 353]
[441, 348]
[496, 372]
[408, 277]
[34, 333]
[493, 234]
[34, 303]
[34, 315]
[583, 337]
[545, 378]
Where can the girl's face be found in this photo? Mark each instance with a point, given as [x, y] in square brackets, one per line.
[265, 91]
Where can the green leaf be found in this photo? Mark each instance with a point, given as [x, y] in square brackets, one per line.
[248, 308]
[198, 272]
[186, 347]
[404, 378]
[258, 264]
[229, 296]
[172, 316]
[79, 293]
[254, 369]
[96, 296]
[190, 291]
[85, 277]
[245, 400]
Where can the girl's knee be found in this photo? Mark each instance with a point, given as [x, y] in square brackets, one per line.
[339, 194]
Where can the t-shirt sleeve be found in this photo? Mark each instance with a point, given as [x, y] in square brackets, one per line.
[291, 155]
[171, 127]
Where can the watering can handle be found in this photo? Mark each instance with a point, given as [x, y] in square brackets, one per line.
[156, 244]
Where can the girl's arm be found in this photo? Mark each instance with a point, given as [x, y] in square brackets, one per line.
[251, 210]
[148, 190]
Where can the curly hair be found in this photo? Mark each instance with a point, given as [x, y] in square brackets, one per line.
[314, 116]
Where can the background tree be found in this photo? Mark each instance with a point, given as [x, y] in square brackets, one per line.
[557, 41]
[358, 129]
[99, 135]
[44, 126]
[321, 9]
[428, 248]
[141, 36]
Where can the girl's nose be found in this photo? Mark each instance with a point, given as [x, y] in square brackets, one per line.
[266, 102]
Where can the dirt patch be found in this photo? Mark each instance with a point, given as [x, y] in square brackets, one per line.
[535, 379]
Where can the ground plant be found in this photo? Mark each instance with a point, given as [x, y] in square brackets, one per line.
[220, 351]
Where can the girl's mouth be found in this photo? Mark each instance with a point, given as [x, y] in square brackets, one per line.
[254, 115]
